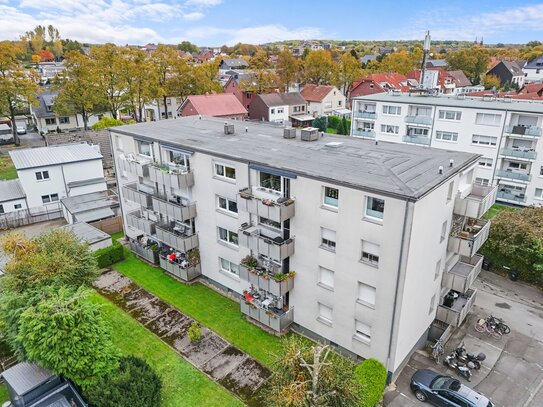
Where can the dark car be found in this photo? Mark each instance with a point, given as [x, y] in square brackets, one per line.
[444, 391]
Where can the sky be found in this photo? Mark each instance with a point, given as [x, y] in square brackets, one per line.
[218, 22]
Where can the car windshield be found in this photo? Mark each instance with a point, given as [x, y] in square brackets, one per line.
[445, 382]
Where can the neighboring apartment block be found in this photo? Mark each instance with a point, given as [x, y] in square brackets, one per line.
[359, 245]
[506, 133]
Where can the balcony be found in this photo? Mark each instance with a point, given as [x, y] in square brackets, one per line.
[132, 193]
[364, 133]
[272, 281]
[365, 115]
[522, 131]
[136, 220]
[479, 200]
[265, 204]
[518, 199]
[423, 120]
[273, 318]
[176, 237]
[149, 253]
[172, 209]
[421, 140]
[134, 166]
[455, 313]
[468, 235]
[514, 175]
[275, 248]
[463, 273]
[176, 177]
[184, 273]
[518, 153]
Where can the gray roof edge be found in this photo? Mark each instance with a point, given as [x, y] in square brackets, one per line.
[63, 163]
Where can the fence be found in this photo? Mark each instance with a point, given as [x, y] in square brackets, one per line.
[100, 137]
[110, 226]
[28, 216]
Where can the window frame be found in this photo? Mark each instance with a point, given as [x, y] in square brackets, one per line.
[326, 243]
[226, 209]
[360, 300]
[225, 168]
[231, 238]
[229, 269]
[370, 215]
[386, 127]
[388, 108]
[366, 256]
[270, 175]
[323, 283]
[139, 143]
[325, 196]
[363, 336]
[476, 140]
[324, 319]
[441, 134]
[16, 206]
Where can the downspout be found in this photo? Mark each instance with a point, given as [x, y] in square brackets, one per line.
[64, 180]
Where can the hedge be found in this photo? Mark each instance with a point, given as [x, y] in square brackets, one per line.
[109, 255]
[372, 376]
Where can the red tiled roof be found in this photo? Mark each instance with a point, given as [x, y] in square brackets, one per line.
[221, 104]
[532, 88]
[363, 87]
[316, 93]
[391, 80]
[528, 96]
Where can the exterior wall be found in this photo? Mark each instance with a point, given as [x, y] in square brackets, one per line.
[76, 122]
[156, 110]
[278, 114]
[258, 110]
[334, 100]
[189, 110]
[100, 245]
[533, 75]
[9, 206]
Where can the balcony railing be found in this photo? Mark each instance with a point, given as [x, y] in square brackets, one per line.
[479, 200]
[469, 239]
[457, 312]
[176, 238]
[365, 115]
[463, 273]
[425, 120]
[532, 131]
[275, 248]
[134, 166]
[132, 193]
[517, 176]
[173, 209]
[513, 152]
[184, 273]
[266, 205]
[364, 133]
[266, 281]
[170, 176]
[276, 320]
[149, 254]
[422, 140]
[514, 198]
[136, 220]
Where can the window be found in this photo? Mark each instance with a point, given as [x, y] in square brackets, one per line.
[443, 231]
[485, 162]
[144, 148]
[1, 208]
[375, 207]
[270, 181]
[180, 159]
[119, 142]
[227, 205]
[49, 198]
[366, 126]
[482, 181]
[228, 266]
[438, 270]
[541, 170]
[328, 105]
[280, 110]
[270, 223]
[538, 193]
[450, 191]
[339, 103]
[432, 305]
[362, 331]
[389, 129]
[325, 314]
[417, 131]
[17, 206]
[484, 140]
[450, 115]
[331, 196]
[272, 111]
[224, 171]
[42, 175]
[63, 120]
[370, 253]
[228, 236]
[328, 239]
[50, 122]
[366, 294]
[446, 136]
[394, 110]
[518, 166]
[488, 119]
[326, 277]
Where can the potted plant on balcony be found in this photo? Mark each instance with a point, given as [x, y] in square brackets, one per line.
[193, 256]
[268, 202]
[245, 194]
[250, 262]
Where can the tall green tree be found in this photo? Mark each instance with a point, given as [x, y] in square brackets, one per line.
[319, 68]
[348, 70]
[188, 46]
[472, 61]
[163, 62]
[288, 68]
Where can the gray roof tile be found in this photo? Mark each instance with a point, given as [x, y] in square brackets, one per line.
[10, 190]
[53, 155]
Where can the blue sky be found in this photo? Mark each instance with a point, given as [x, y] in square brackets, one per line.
[217, 22]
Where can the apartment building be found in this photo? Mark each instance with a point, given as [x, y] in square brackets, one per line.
[506, 133]
[357, 245]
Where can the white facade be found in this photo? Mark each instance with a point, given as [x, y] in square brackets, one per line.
[334, 100]
[506, 134]
[64, 123]
[278, 114]
[157, 111]
[364, 280]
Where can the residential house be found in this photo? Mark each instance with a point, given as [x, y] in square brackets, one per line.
[436, 63]
[12, 196]
[534, 89]
[156, 109]
[533, 70]
[242, 83]
[232, 63]
[509, 73]
[368, 58]
[224, 105]
[48, 71]
[378, 247]
[323, 100]
[279, 107]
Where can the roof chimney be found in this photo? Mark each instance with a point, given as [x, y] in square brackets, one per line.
[228, 128]
[441, 169]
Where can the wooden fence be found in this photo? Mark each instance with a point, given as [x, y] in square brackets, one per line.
[110, 225]
[28, 216]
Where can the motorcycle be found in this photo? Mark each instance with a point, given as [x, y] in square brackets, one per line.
[466, 357]
[461, 369]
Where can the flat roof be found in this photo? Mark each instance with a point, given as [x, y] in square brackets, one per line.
[453, 101]
[10, 190]
[25, 376]
[88, 202]
[87, 233]
[403, 171]
[53, 155]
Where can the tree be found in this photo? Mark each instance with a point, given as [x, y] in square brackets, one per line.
[187, 46]
[259, 60]
[348, 70]
[36, 38]
[346, 126]
[79, 91]
[402, 62]
[516, 242]
[134, 384]
[72, 45]
[288, 67]
[319, 68]
[163, 62]
[106, 122]
[17, 86]
[46, 55]
[195, 332]
[491, 82]
[340, 128]
[64, 332]
[320, 123]
[472, 61]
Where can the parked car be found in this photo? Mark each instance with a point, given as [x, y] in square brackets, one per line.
[21, 128]
[445, 391]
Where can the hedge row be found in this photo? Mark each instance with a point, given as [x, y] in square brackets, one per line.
[109, 255]
[373, 376]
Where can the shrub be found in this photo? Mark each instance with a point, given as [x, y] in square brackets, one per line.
[320, 123]
[372, 376]
[134, 384]
[109, 255]
[333, 121]
[106, 122]
[195, 332]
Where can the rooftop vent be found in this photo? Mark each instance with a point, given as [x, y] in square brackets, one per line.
[451, 162]
[396, 92]
[309, 134]
[334, 144]
[228, 128]
[289, 132]
[441, 169]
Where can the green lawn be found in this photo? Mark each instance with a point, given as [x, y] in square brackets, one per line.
[7, 170]
[3, 394]
[331, 130]
[204, 305]
[182, 384]
[494, 209]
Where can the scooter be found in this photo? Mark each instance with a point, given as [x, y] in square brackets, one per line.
[461, 369]
[466, 357]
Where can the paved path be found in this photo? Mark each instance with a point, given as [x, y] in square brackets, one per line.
[213, 355]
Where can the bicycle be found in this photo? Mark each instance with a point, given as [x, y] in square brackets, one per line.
[437, 351]
[492, 326]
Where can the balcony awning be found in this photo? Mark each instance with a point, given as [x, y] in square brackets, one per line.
[94, 215]
[342, 112]
[302, 117]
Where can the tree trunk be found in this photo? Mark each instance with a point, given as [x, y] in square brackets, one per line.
[165, 108]
[85, 120]
[16, 139]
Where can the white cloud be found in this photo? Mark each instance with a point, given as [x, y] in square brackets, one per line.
[203, 3]
[195, 15]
